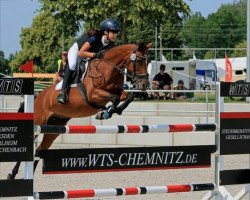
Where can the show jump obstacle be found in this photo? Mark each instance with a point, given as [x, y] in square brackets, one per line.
[16, 141]
[45, 129]
[123, 191]
[231, 138]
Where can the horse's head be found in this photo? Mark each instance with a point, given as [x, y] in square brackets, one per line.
[137, 67]
[134, 58]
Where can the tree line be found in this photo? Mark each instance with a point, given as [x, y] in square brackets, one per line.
[59, 22]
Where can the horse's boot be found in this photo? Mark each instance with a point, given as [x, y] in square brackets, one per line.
[63, 96]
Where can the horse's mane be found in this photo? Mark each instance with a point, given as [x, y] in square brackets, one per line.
[141, 46]
[121, 47]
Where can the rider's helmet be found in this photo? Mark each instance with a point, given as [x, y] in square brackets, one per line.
[110, 25]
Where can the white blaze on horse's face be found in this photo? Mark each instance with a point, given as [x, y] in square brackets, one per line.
[133, 57]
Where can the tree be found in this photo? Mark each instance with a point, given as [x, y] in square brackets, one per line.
[223, 29]
[170, 34]
[193, 32]
[41, 43]
[129, 13]
[227, 26]
[240, 53]
[4, 64]
[209, 55]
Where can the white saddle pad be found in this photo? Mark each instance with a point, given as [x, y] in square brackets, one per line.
[59, 85]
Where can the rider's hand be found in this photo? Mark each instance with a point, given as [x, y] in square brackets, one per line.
[99, 55]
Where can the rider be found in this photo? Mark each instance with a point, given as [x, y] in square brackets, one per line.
[90, 45]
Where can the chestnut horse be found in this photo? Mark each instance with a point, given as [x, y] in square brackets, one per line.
[103, 84]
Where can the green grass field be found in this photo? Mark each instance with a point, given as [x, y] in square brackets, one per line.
[198, 98]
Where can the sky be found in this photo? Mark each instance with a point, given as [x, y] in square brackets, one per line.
[15, 14]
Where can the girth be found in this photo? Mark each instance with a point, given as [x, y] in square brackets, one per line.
[83, 93]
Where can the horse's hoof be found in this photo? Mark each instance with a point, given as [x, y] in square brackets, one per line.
[10, 177]
[106, 115]
[102, 115]
[119, 112]
[99, 116]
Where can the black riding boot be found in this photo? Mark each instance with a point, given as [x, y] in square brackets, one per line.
[63, 96]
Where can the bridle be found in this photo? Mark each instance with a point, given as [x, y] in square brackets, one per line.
[134, 59]
[135, 77]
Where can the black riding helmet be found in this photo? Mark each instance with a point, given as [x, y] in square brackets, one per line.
[110, 25]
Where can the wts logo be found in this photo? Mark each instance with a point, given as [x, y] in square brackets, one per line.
[11, 86]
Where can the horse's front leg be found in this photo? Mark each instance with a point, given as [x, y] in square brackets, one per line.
[101, 95]
[127, 98]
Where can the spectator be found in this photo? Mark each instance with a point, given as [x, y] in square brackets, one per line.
[180, 86]
[192, 83]
[192, 86]
[202, 83]
[161, 81]
[61, 66]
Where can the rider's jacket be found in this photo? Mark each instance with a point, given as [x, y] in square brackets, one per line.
[95, 43]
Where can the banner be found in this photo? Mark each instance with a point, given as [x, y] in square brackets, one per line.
[27, 67]
[58, 161]
[235, 89]
[16, 86]
[16, 137]
[234, 133]
[228, 67]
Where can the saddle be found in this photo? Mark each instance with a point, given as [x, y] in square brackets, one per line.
[79, 74]
[82, 66]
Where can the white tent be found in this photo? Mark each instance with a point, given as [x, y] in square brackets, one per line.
[238, 66]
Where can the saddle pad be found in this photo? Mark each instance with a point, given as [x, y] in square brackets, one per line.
[59, 85]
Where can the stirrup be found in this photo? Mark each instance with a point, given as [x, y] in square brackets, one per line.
[62, 97]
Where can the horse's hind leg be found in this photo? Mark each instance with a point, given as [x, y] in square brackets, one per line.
[48, 139]
[46, 143]
[17, 165]
[14, 171]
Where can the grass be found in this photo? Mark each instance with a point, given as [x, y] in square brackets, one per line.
[198, 98]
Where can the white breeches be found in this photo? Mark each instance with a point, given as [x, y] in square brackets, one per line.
[72, 56]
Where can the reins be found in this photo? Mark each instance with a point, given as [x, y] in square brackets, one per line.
[133, 59]
[118, 68]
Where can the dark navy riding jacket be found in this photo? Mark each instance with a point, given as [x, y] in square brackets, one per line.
[95, 43]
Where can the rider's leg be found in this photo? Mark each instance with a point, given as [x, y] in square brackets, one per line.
[63, 96]
[72, 60]
[81, 68]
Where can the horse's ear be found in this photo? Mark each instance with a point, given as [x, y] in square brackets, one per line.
[141, 46]
[149, 45]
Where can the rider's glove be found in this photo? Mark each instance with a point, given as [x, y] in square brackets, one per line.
[99, 55]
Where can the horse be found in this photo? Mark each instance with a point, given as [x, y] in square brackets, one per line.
[101, 85]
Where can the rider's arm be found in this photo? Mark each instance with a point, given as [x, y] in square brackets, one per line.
[84, 51]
